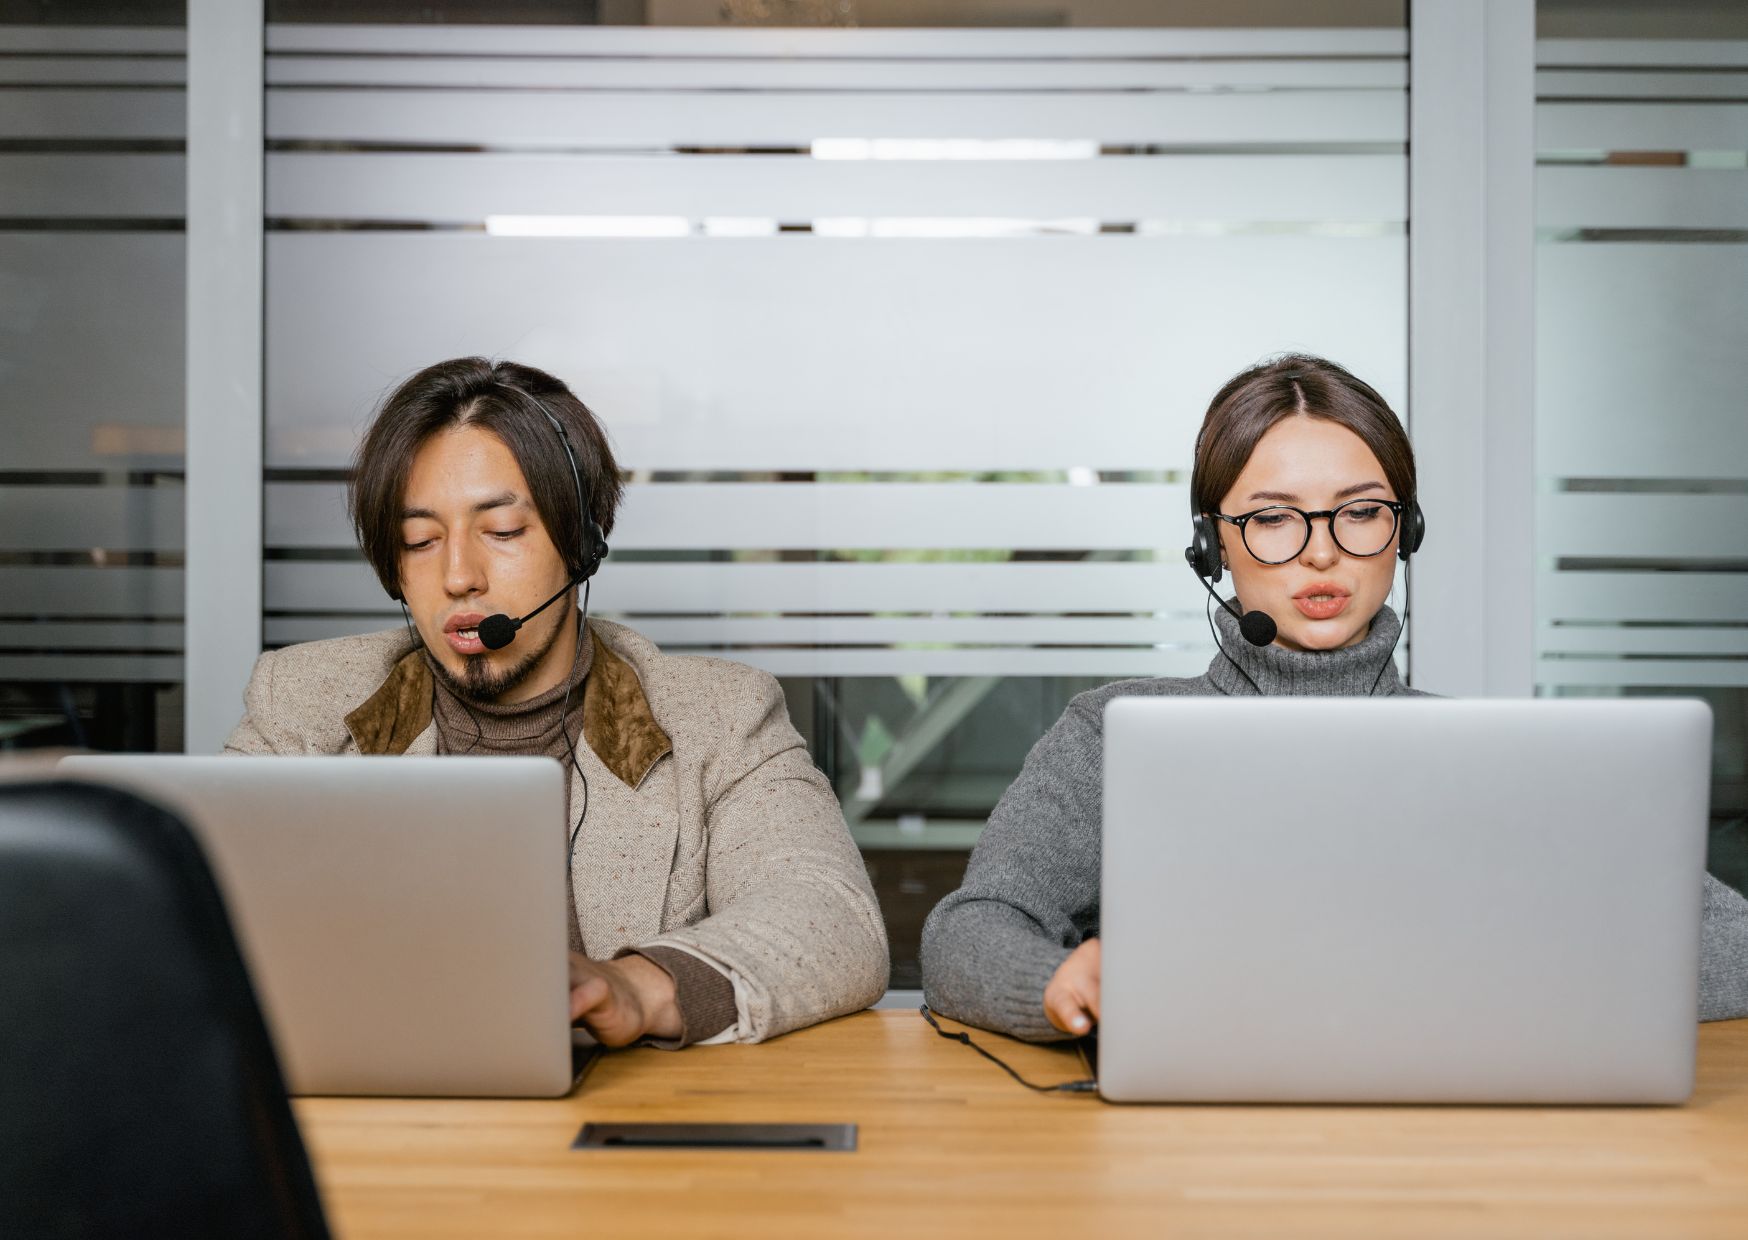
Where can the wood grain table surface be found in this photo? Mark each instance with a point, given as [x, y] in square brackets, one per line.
[949, 1146]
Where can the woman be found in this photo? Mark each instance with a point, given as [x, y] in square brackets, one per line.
[1304, 488]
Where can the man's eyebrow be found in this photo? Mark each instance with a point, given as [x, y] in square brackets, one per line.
[1284, 497]
[506, 500]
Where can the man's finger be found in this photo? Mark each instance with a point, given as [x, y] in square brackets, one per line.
[582, 969]
[588, 996]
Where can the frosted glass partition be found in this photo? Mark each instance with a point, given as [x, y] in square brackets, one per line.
[1642, 424]
[903, 336]
[91, 347]
[1642, 324]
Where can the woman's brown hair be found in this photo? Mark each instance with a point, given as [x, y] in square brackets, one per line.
[1251, 402]
[510, 401]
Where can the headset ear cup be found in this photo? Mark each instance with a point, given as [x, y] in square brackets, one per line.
[594, 546]
[1203, 553]
[1413, 532]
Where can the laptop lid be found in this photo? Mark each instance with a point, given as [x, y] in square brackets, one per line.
[1345, 900]
[403, 918]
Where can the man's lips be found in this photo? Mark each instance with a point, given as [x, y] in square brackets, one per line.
[462, 631]
[1322, 600]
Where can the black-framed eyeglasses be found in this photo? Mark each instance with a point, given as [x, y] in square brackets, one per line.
[1277, 534]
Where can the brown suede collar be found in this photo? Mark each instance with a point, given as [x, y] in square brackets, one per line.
[397, 712]
[617, 721]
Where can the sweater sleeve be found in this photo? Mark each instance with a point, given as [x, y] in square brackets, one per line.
[703, 994]
[1031, 891]
[1723, 953]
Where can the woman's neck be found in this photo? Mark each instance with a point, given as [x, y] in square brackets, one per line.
[1364, 668]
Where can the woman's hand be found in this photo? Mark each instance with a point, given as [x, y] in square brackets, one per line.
[623, 1000]
[1071, 1000]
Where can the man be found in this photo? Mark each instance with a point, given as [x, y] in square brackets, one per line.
[715, 891]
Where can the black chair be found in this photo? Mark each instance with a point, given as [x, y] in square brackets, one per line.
[139, 1094]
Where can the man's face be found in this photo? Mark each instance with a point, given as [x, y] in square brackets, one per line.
[472, 543]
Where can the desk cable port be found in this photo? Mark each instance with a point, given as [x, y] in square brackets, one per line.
[823, 1137]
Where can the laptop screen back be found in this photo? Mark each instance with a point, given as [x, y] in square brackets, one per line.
[403, 918]
[1343, 900]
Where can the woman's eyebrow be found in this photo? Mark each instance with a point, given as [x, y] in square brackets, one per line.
[1285, 497]
[1359, 488]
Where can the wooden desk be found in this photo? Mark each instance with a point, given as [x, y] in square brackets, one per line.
[951, 1147]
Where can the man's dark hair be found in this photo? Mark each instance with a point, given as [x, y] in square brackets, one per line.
[507, 400]
[1251, 402]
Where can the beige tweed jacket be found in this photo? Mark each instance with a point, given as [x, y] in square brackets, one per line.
[709, 829]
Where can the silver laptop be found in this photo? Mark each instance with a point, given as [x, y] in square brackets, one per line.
[1341, 900]
[403, 918]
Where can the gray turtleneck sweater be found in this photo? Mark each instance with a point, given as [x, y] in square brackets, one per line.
[1031, 892]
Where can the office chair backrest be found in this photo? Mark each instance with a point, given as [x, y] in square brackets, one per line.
[139, 1094]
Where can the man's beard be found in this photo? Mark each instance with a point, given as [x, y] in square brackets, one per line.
[478, 681]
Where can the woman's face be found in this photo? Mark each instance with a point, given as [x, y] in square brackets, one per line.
[1325, 598]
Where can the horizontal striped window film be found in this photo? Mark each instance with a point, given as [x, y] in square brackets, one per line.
[902, 336]
[91, 344]
[1642, 426]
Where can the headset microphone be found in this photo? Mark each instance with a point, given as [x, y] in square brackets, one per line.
[1258, 627]
[496, 632]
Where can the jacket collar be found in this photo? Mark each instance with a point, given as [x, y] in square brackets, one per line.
[618, 723]
[397, 712]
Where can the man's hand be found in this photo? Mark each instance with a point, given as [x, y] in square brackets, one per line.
[623, 1000]
[1071, 1000]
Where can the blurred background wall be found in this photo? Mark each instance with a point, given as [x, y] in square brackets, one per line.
[902, 316]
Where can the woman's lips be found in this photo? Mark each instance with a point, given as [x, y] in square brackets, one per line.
[1321, 606]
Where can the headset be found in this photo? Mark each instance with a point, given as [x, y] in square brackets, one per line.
[504, 629]
[499, 630]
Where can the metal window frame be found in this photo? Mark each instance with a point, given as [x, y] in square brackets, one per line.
[226, 102]
[1471, 343]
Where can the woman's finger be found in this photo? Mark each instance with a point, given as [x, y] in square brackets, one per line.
[1087, 983]
[1065, 1010]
